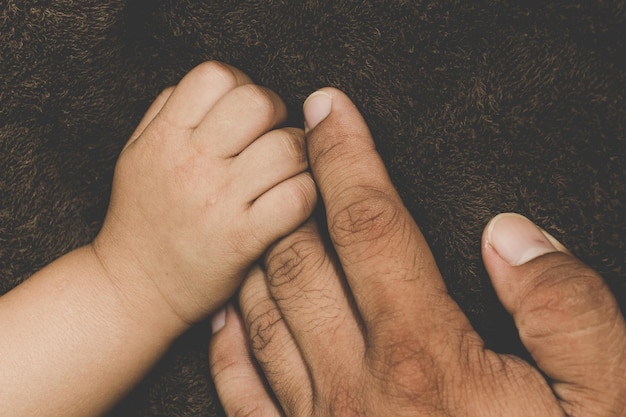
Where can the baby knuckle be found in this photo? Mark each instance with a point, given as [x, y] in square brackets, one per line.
[299, 200]
[266, 103]
[294, 144]
[303, 196]
[215, 70]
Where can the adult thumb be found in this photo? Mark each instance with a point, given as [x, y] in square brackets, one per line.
[567, 317]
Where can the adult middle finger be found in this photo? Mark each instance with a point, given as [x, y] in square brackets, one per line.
[308, 288]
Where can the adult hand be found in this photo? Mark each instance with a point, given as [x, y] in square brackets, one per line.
[372, 331]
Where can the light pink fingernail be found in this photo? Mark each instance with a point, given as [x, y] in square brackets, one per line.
[516, 239]
[218, 321]
[316, 108]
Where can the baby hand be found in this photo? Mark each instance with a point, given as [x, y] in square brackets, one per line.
[201, 189]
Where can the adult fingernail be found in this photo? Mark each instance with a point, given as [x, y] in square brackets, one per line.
[316, 108]
[516, 239]
[218, 321]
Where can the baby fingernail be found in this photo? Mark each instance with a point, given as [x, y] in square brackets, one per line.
[316, 108]
[516, 239]
[218, 321]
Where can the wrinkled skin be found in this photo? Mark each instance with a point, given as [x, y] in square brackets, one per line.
[369, 329]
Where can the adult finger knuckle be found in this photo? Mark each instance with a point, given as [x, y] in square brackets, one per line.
[292, 259]
[568, 289]
[347, 402]
[409, 372]
[323, 154]
[263, 327]
[223, 361]
[372, 217]
[244, 409]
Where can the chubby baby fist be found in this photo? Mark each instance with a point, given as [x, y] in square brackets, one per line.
[205, 184]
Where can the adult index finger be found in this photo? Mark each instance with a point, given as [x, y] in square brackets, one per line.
[388, 264]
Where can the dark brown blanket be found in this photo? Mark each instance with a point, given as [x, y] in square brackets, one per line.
[477, 108]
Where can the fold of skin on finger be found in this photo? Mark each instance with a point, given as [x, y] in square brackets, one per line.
[287, 204]
[277, 155]
[199, 90]
[274, 347]
[386, 260]
[226, 137]
[421, 355]
[308, 288]
[571, 325]
[150, 114]
[240, 386]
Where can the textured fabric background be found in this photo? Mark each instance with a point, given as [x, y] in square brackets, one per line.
[477, 107]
